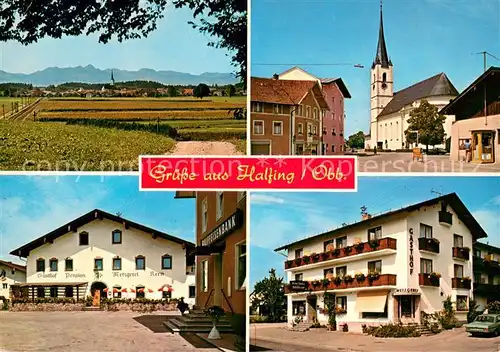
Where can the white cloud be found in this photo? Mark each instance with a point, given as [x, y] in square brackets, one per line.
[490, 222]
[55, 203]
[258, 198]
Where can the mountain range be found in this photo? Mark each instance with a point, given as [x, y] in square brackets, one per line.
[91, 74]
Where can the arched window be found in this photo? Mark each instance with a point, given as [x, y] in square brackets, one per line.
[140, 262]
[140, 291]
[116, 237]
[384, 77]
[166, 262]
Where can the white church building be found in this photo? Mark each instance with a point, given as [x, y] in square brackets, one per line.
[390, 111]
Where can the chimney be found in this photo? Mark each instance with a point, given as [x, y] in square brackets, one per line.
[366, 216]
[276, 77]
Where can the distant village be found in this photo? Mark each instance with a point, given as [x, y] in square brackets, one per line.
[116, 89]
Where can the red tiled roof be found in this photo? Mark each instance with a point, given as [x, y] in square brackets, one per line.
[13, 266]
[287, 92]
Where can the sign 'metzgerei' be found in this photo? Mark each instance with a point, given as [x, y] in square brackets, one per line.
[228, 226]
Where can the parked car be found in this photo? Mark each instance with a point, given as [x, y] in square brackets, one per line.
[485, 324]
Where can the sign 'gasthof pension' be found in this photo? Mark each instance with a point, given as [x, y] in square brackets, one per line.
[224, 229]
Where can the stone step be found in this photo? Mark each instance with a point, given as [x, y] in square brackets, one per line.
[204, 328]
[92, 309]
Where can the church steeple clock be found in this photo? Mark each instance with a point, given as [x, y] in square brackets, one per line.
[381, 80]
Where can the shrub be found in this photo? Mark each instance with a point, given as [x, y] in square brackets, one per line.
[258, 319]
[447, 317]
[348, 279]
[373, 275]
[494, 307]
[348, 249]
[345, 328]
[391, 330]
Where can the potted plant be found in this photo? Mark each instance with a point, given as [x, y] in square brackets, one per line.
[373, 275]
[434, 277]
[182, 306]
[359, 246]
[325, 255]
[336, 252]
[315, 257]
[348, 279]
[360, 277]
[316, 282]
[325, 282]
[298, 261]
[347, 249]
[306, 259]
[466, 279]
[337, 280]
[374, 244]
[215, 312]
[330, 247]
[340, 310]
[288, 264]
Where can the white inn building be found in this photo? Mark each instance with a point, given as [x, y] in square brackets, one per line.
[105, 252]
[386, 268]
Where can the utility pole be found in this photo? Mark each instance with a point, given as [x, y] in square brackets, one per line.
[485, 103]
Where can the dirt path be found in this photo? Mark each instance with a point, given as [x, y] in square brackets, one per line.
[205, 148]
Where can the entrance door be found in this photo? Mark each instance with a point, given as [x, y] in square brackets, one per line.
[98, 286]
[312, 303]
[406, 308]
[483, 147]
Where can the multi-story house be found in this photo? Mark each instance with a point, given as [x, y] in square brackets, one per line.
[10, 274]
[486, 261]
[335, 92]
[386, 268]
[221, 255]
[286, 117]
[105, 253]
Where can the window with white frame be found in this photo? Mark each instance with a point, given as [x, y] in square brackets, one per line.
[315, 113]
[299, 277]
[300, 129]
[300, 110]
[315, 130]
[458, 270]
[425, 231]
[257, 107]
[204, 215]
[220, 204]
[258, 127]
[341, 303]
[204, 276]
[375, 233]
[278, 128]
[309, 129]
[375, 266]
[308, 111]
[425, 266]
[241, 264]
[458, 241]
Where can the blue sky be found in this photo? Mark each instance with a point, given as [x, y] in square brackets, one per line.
[423, 38]
[31, 206]
[280, 218]
[175, 45]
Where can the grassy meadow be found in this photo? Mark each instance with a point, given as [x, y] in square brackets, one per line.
[6, 104]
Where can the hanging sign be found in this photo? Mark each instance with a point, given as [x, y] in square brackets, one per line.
[410, 262]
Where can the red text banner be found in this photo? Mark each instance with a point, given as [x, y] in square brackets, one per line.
[248, 173]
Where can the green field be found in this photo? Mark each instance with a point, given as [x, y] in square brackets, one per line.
[31, 146]
[209, 119]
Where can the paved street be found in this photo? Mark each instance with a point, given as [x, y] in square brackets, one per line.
[402, 162]
[84, 331]
[275, 337]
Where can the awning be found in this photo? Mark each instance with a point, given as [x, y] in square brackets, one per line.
[372, 302]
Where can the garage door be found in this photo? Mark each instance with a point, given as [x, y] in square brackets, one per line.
[261, 149]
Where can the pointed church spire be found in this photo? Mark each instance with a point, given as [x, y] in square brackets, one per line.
[112, 77]
[381, 58]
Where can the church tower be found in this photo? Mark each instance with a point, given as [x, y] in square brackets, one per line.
[112, 78]
[381, 81]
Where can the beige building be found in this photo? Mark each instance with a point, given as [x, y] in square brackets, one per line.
[476, 112]
[105, 252]
[10, 274]
[386, 268]
[390, 111]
